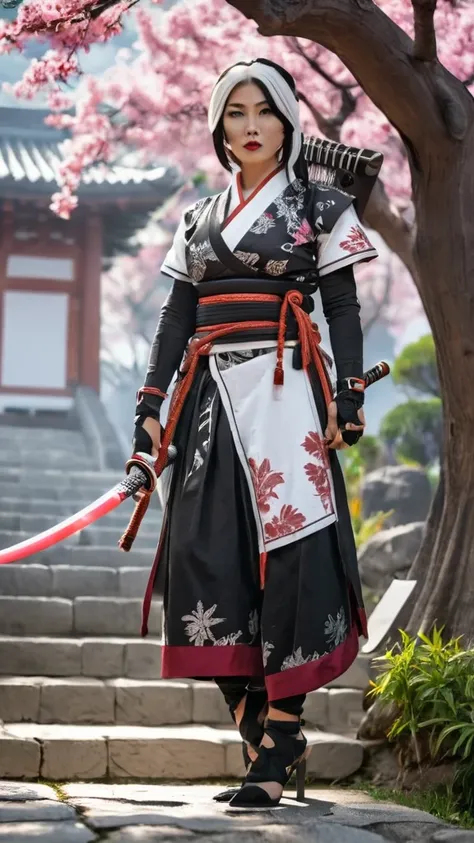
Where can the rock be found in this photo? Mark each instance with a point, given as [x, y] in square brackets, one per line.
[377, 721]
[311, 833]
[381, 767]
[62, 832]
[19, 792]
[389, 554]
[357, 676]
[148, 834]
[402, 488]
[383, 814]
[344, 708]
[42, 810]
[334, 756]
[453, 835]
[316, 708]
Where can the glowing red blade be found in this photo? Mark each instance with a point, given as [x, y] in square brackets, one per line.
[95, 510]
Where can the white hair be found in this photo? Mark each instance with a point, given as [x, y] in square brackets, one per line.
[277, 86]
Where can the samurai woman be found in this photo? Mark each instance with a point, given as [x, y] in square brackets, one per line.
[256, 561]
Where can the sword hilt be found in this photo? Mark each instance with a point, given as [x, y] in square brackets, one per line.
[141, 477]
[376, 373]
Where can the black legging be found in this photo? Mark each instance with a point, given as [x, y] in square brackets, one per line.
[234, 688]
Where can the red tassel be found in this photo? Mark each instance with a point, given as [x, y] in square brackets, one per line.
[278, 377]
[263, 567]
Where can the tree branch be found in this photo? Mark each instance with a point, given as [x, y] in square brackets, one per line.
[377, 53]
[331, 126]
[384, 300]
[295, 45]
[424, 48]
[399, 235]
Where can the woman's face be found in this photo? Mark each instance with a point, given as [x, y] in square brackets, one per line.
[253, 132]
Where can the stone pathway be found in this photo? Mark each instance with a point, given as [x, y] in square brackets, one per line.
[143, 813]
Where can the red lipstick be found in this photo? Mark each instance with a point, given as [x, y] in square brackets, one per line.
[252, 145]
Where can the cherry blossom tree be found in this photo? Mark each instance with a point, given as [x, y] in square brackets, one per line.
[393, 75]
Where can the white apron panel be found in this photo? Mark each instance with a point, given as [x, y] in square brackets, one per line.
[278, 438]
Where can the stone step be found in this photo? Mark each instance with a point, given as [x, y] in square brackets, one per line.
[46, 459]
[11, 537]
[33, 523]
[20, 481]
[99, 657]
[62, 752]
[14, 440]
[80, 616]
[37, 515]
[94, 557]
[93, 536]
[71, 581]
[103, 657]
[159, 702]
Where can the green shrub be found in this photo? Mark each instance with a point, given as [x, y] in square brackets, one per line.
[356, 462]
[414, 429]
[415, 367]
[431, 686]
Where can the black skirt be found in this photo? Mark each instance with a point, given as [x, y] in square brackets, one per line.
[299, 632]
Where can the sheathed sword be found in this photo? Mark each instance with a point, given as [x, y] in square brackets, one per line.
[140, 480]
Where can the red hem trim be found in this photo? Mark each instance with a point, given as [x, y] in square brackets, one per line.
[243, 202]
[313, 675]
[237, 660]
[363, 621]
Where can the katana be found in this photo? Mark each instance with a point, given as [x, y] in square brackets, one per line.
[140, 481]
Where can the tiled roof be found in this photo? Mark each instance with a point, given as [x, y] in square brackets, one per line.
[30, 159]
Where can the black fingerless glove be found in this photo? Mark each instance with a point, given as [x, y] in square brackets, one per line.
[141, 441]
[348, 402]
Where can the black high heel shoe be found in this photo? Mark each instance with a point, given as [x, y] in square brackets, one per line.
[251, 729]
[273, 764]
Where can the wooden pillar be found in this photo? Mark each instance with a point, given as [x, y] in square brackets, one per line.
[90, 289]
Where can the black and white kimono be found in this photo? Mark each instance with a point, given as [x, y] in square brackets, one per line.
[252, 475]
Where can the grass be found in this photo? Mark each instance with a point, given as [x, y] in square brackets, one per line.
[58, 788]
[440, 802]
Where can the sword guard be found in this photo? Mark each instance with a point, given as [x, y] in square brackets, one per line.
[145, 463]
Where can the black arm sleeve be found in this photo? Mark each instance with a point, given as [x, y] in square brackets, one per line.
[341, 309]
[176, 325]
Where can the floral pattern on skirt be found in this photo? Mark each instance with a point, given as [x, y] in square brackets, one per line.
[302, 629]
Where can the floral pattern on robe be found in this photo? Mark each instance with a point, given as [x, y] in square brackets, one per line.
[286, 230]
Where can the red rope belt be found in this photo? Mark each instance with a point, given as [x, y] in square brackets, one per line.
[308, 335]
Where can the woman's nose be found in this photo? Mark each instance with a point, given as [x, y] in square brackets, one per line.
[251, 128]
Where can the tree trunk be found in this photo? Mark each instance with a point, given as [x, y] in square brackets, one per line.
[434, 114]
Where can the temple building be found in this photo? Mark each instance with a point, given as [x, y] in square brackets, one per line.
[50, 269]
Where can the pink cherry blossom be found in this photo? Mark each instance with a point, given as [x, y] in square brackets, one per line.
[154, 99]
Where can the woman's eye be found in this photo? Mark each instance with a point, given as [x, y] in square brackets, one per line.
[266, 111]
[235, 113]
